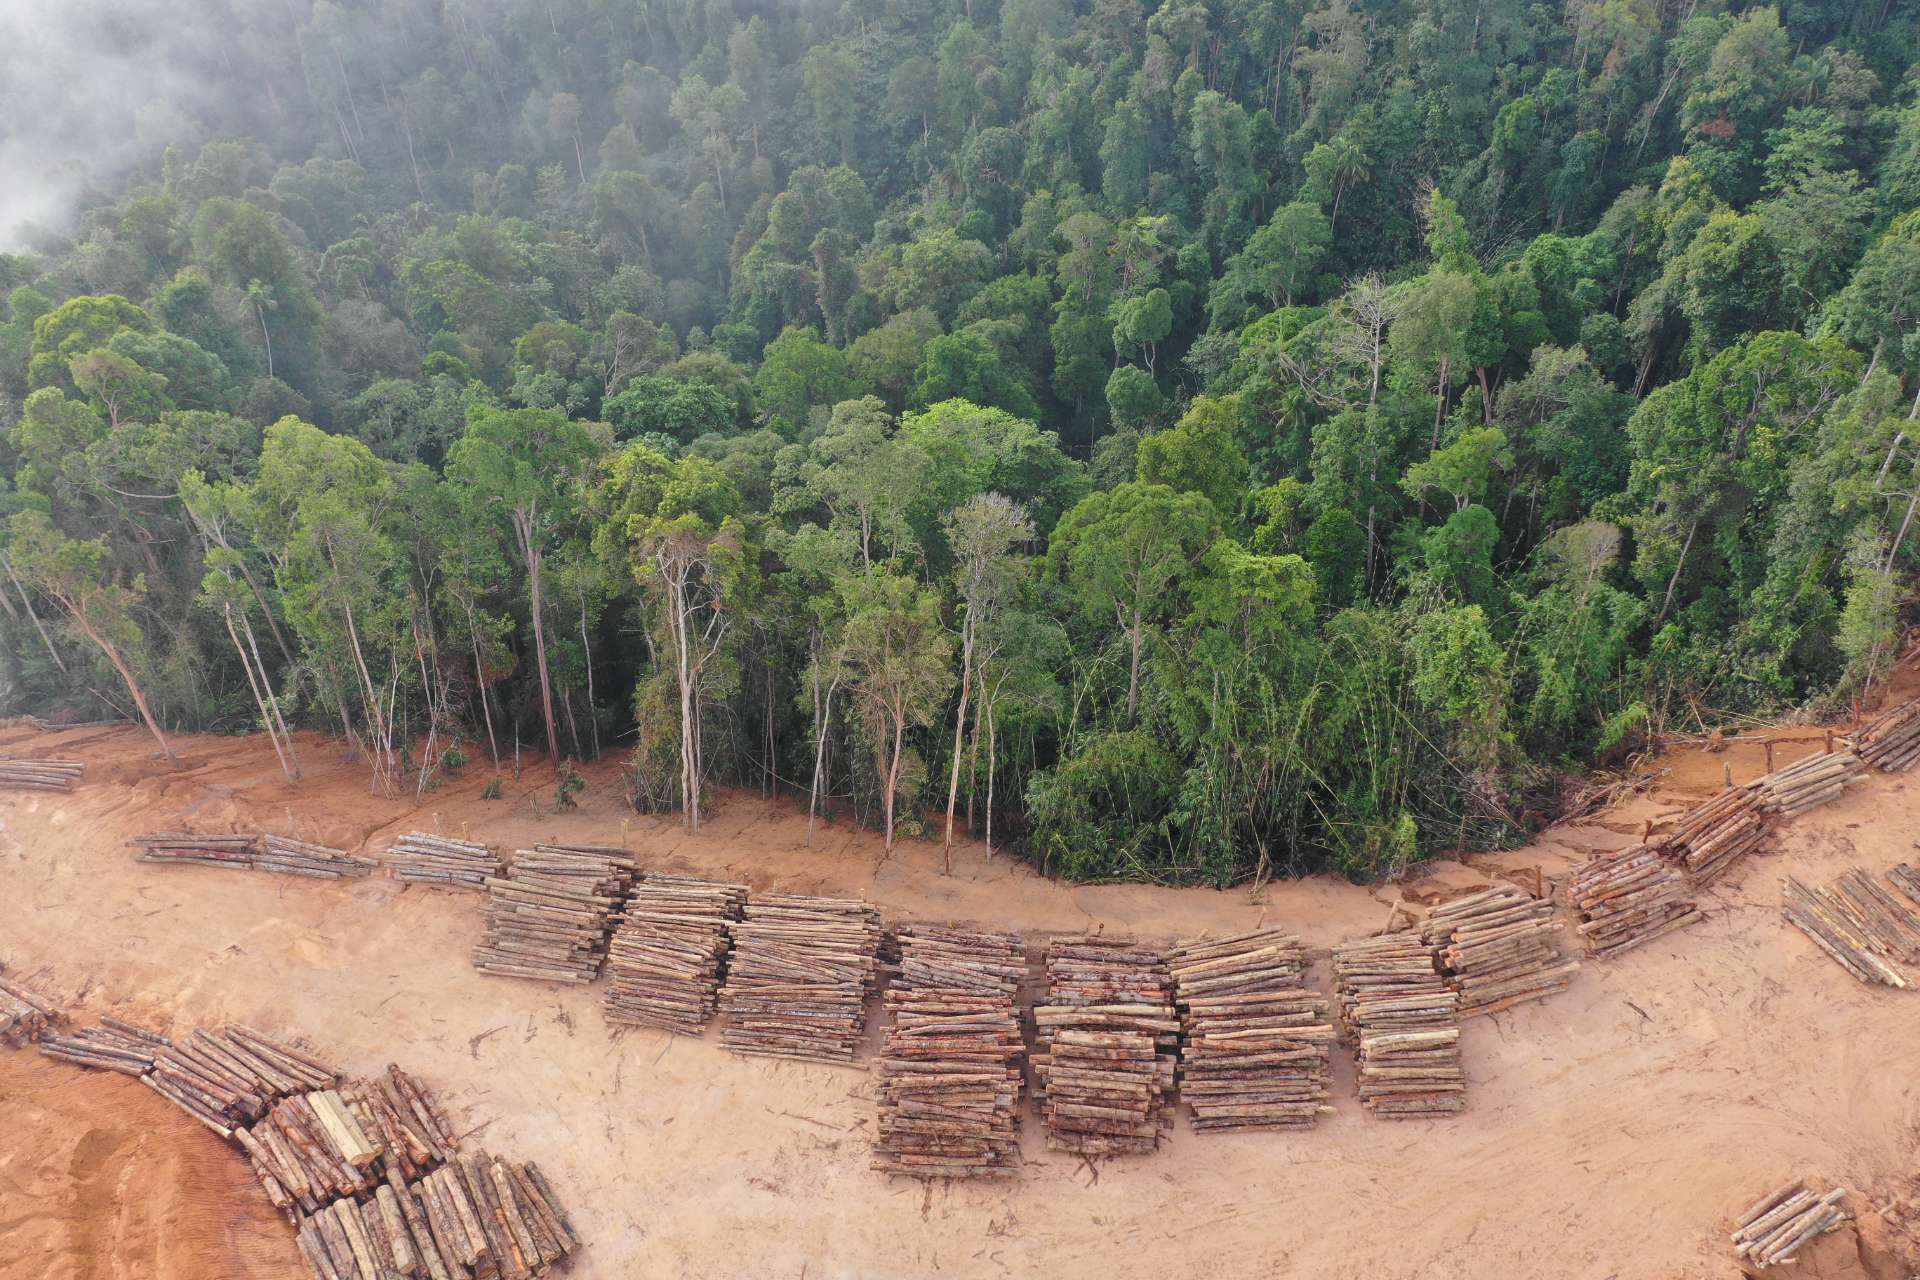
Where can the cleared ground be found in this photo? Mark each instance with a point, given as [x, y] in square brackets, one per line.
[1611, 1132]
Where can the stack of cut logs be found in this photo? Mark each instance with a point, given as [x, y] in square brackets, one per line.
[477, 1215]
[299, 858]
[950, 1068]
[261, 853]
[549, 916]
[314, 1147]
[1869, 932]
[1628, 897]
[1906, 879]
[667, 955]
[1713, 836]
[371, 1177]
[1498, 948]
[202, 850]
[25, 1015]
[230, 1078]
[1807, 784]
[422, 858]
[798, 980]
[1258, 1043]
[111, 1046]
[24, 773]
[1405, 1026]
[1890, 741]
[1105, 1048]
[1777, 1224]
[368, 1173]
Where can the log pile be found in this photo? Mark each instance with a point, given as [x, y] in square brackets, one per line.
[1404, 1024]
[368, 1172]
[1257, 1052]
[299, 858]
[1106, 1046]
[477, 1216]
[1867, 931]
[1785, 1220]
[1890, 741]
[1628, 897]
[25, 773]
[315, 1147]
[1498, 948]
[410, 1122]
[1807, 784]
[311, 1149]
[422, 858]
[549, 916]
[950, 1068]
[667, 956]
[1906, 879]
[25, 1015]
[279, 854]
[229, 1079]
[1715, 835]
[200, 850]
[798, 980]
[111, 1046]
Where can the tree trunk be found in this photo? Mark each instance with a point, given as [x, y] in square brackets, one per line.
[273, 734]
[959, 740]
[1134, 635]
[683, 670]
[990, 765]
[480, 687]
[112, 651]
[273, 703]
[433, 720]
[379, 737]
[261, 596]
[1667, 601]
[573, 725]
[823, 721]
[973, 761]
[411, 160]
[893, 772]
[1894, 551]
[523, 527]
[586, 651]
[768, 772]
[37, 624]
[265, 336]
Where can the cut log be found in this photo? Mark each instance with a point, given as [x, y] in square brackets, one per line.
[1403, 1021]
[799, 976]
[668, 954]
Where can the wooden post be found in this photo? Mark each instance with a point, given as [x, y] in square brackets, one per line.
[1727, 768]
[1769, 755]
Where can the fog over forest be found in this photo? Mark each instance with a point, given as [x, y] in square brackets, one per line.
[1188, 441]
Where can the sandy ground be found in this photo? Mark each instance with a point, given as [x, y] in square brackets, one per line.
[1611, 1132]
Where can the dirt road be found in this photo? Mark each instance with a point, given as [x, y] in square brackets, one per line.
[1610, 1131]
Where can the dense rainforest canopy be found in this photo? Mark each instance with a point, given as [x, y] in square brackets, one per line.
[1188, 441]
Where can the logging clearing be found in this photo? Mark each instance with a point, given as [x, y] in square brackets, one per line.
[1226, 1015]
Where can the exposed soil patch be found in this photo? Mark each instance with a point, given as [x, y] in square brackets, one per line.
[1610, 1131]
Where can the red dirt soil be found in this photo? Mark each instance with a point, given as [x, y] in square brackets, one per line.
[1611, 1131]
